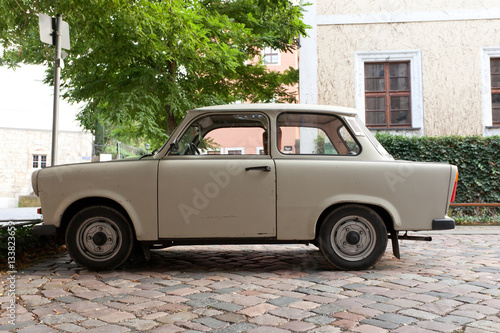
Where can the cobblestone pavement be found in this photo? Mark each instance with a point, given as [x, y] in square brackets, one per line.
[451, 284]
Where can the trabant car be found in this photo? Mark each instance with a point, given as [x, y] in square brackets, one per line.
[253, 174]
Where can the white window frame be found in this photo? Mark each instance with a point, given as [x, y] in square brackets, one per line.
[206, 150]
[417, 95]
[257, 149]
[39, 160]
[486, 54]
[226, 150]
[264, 55]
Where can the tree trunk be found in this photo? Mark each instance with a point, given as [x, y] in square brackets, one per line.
[171, 121]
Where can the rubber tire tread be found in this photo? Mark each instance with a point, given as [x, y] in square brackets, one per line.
[124, 228]
[334, 217]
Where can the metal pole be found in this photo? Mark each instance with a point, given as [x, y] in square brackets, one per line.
[57, 75]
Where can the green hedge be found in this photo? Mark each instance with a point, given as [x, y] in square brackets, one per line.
[477, 159]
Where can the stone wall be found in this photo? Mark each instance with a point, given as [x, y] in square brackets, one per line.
[16, 157]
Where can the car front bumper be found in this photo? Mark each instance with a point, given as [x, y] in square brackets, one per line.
[44, 230]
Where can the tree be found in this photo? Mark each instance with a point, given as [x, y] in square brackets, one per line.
[140, 64]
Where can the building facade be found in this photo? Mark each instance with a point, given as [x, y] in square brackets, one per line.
[26, 132]
[413, 67]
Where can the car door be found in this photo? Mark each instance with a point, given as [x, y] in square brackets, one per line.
[220, 182]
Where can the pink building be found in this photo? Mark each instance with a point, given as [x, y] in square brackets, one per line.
[250, 141]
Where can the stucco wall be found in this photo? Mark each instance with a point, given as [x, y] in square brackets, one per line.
[450, 65]
[16, 157]
[329, 7]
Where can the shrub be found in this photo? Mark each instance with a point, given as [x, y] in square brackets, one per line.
[29, 248]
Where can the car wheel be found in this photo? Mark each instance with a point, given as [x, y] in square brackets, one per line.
[353, 237]
[99, 238]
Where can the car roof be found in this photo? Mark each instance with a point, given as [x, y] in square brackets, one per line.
[278, 108]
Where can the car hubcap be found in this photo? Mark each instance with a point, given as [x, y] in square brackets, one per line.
[98, 238]
[353, 238]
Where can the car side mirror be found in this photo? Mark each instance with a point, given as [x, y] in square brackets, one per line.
[174, 146]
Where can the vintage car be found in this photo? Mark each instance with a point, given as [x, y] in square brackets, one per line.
[253, 174]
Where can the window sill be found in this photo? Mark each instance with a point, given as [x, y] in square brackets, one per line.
[394, 128]
[493, 127]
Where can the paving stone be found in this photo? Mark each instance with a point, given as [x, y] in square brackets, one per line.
[369, 329]
[411, 329]
[380, 323]
[36, 329]
[257, 310]
[396, 318]
[320, 320]
[227, 306]
[478, 308]
[327, 309]
[419, 314]
[284, 301]
[207, 312]
[291, 313]
[108, 329]
[466, 299]
[438, 326]
[267, 329]
[298, 326]
[268, 320]
[85, 306]
[486, 325]
[62, 318]
[232, 317]
[140, 324]
[109, 315]
[454, 283]
[180, 316]
[383, 307]
[92, 323]
[455, 319]
[69, 328]
[192, 326]
[211, 322]
[68, 299]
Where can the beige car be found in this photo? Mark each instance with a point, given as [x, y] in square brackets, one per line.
[254, 174]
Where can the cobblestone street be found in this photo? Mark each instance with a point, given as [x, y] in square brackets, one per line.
[451, 284]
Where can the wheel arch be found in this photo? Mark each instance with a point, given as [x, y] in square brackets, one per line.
[381, 211]
[80, 204]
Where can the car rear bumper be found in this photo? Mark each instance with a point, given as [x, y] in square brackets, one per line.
[443, 224]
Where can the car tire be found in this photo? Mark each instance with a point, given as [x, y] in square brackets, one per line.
[99, 238]
[353, 237]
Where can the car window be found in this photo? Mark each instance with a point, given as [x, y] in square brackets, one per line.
[314, 134]
[226, 134]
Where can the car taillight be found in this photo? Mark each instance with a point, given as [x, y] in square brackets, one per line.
[454, 189]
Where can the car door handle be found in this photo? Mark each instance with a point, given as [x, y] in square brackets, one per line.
[262, 168]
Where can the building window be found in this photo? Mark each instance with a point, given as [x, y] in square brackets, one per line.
[389, 88]
[387, 94]
[235, 151]
[495, 90]
[490, 90]
[271, 56]
[39, 161]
